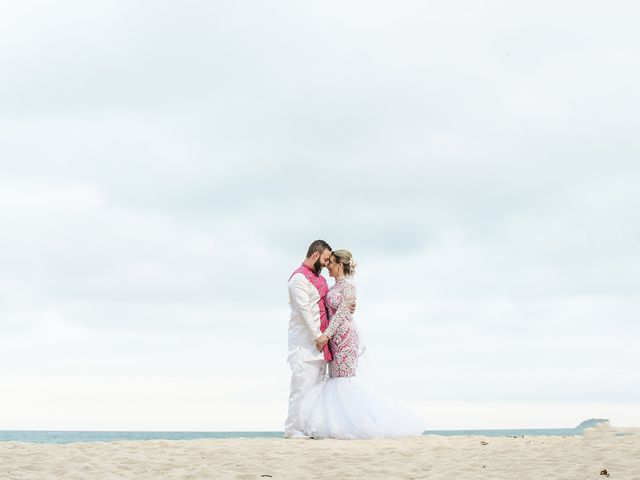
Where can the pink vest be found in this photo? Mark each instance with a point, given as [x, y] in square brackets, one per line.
[320, 283]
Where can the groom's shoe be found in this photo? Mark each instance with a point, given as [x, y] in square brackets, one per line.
[295, 434]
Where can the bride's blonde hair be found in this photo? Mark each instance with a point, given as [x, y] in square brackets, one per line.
[346, 259]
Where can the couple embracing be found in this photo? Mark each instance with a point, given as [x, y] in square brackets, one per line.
[322, 335]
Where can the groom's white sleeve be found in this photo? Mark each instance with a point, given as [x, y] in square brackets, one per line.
[301, 302]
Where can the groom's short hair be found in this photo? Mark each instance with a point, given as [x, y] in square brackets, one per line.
[317, 246]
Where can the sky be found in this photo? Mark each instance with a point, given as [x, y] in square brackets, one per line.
[165, 165]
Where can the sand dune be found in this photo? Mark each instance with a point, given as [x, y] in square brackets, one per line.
[434, 457]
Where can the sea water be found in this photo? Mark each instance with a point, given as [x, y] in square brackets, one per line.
[42, 436]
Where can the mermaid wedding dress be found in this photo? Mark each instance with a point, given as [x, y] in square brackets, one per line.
[343, 406]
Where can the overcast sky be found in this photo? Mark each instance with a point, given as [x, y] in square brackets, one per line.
[164, 166]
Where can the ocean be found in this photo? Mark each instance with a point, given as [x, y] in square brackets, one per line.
[46, 436]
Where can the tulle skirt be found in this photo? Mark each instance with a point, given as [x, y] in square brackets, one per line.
[348, 408]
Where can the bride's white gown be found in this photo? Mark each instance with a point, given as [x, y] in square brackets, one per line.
[344, 406]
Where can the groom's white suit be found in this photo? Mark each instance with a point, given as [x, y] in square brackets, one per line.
[307, 363]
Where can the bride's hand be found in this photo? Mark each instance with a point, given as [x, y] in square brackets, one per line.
[352, 307]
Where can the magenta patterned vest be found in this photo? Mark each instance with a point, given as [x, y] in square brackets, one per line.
[320, 283]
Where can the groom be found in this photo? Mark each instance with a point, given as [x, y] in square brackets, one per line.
[307, 289]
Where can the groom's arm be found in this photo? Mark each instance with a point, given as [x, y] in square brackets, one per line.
[301, 302]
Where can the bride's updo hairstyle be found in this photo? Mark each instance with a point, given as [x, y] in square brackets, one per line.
[346, 259]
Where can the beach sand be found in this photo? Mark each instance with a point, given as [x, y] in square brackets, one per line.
[435, 457]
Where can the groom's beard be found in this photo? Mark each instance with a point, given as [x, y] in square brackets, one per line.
[317, 267]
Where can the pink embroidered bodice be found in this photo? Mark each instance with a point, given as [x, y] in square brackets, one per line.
[343, 341]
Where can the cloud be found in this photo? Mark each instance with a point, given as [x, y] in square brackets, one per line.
[164, 168]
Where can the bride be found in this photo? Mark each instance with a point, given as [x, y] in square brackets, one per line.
[343, 406]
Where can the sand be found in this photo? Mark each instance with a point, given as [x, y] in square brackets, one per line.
[435, 457]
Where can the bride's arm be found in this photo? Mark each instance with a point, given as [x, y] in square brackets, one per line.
[347, 298]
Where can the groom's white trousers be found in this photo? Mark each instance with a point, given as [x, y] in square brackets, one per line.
[303, 376]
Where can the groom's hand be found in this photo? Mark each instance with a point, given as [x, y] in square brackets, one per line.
[321, 341]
